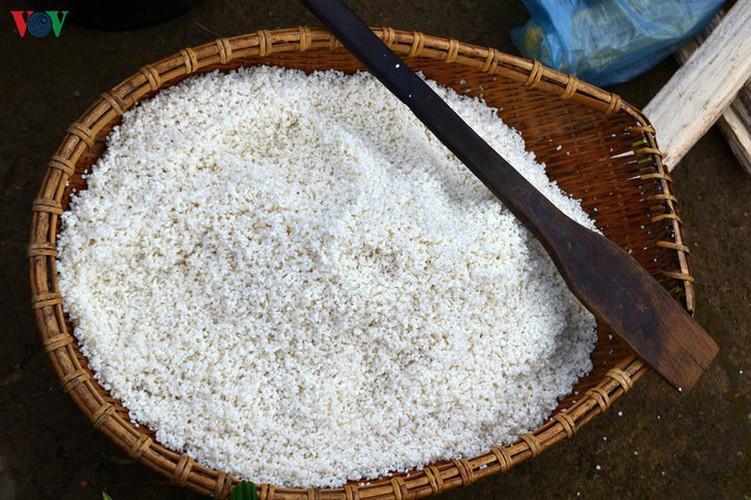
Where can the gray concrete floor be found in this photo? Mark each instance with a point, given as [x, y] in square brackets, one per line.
[651, 443]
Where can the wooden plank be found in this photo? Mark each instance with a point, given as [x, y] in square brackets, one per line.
[735, 124]
[704, 87]
[735, 121]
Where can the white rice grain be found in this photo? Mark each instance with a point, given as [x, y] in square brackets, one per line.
[290, 279]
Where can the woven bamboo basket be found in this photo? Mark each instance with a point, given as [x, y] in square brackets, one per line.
[609, 159]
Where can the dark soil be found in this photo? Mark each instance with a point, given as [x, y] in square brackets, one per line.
[651, 443]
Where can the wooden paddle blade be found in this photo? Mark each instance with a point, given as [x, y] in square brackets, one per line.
[626, 298]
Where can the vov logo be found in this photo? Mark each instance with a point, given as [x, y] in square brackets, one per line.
[39, 24]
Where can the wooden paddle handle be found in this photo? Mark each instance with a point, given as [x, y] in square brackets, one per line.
[528, 204]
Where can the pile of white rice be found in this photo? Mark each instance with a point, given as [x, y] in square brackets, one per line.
[289, 278]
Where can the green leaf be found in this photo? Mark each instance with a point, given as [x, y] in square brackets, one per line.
[105, 496]
[245, 491]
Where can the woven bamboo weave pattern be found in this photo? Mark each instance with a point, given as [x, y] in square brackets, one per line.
[598, 148]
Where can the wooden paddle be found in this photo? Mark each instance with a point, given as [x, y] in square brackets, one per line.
[612, 285]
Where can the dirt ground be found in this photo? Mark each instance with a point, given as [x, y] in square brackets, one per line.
[651, 443]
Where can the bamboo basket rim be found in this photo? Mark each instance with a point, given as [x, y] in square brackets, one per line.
[105, 412]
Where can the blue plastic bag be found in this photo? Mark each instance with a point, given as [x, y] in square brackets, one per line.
[609, 41]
